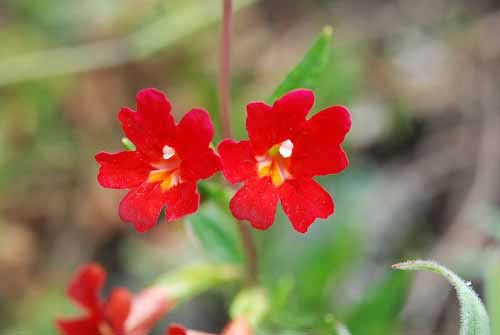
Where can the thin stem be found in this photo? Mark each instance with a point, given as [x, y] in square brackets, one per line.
[225, 99]
[250, 253]
[225, 68]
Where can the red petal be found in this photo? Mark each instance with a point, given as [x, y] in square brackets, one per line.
[86, 286]
[142, 206]
[152, 126]
[202, 166]
[87, 326]
[317, 148]
[194, 132]
[117, 308]
[176, 329]
[154, 105]
[256, 202]
[182, 199]
[192, 140]
[124, 169]
[268, 126]
[238, 160]
[303, 201]
[148, 307]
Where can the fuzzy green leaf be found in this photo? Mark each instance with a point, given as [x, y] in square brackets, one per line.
[474, 318]
[492, 286]
[308, 72]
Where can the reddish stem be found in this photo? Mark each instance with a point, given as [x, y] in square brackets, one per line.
[225, 68]
[225, 100]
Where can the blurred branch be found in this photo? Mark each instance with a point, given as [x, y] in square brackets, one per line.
[136, 46]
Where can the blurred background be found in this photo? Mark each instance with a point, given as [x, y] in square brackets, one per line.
[421, 79]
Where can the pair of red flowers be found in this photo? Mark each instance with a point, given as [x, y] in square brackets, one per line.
[278, 162]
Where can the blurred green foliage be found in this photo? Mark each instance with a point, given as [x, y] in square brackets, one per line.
[216, 230]
[377, 313]
[38, 311]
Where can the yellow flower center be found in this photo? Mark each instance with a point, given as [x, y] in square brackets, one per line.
[167, 171]
[276, 162]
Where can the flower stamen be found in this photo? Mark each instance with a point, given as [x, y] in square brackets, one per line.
[275, 163]
[168, 152]
[167, 172]
[286, 148]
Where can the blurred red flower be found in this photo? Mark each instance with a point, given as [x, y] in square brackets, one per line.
[168, 161]
[283, 153]
[239, 326]
[120, 314]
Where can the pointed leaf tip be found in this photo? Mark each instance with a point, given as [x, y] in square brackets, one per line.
[307, 73]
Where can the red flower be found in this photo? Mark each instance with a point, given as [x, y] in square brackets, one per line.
[120, 314]
[168, 161]
[238, 326]
[282, 155]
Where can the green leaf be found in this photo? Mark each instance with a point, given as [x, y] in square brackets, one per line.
[474, 318]
[217, 232]
[308, 72]
[492, 286]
